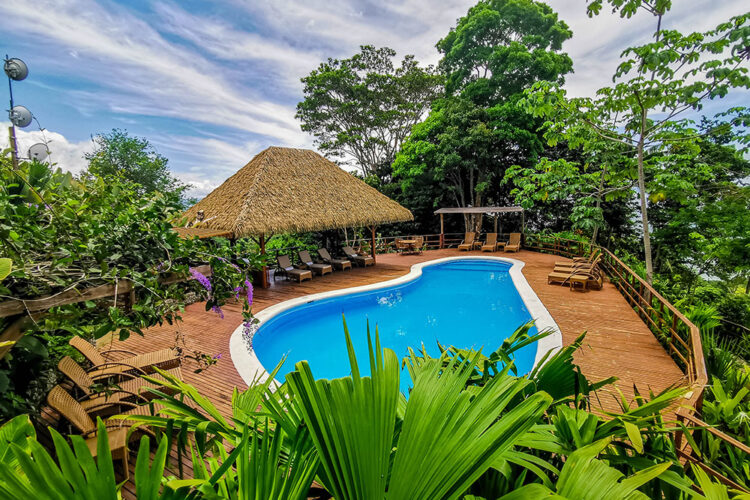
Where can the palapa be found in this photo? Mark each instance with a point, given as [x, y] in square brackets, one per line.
[286, 190]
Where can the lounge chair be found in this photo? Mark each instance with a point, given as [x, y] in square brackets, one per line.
[340, 264]
[105, 364]
[127, 387]
[514, 243]
[319, 269]
[490, 243]
[580, 260]
[359, 259]
[287, 269]
[468, 242]
[586, 277]
[572, 266]
[117, 431]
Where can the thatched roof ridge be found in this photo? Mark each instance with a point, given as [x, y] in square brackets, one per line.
[294, 190]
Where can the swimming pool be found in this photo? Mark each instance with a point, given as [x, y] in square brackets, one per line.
[468, 302]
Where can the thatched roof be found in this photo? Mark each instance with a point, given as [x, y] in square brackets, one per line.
[201, 232]
[285, 190]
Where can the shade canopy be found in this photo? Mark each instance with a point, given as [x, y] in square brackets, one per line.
[201, 232]
[477, 210]
[285, 190]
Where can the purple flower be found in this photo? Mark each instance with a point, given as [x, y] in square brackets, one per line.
[218, 311]
[249, 291]
[202, 279]
[237, 291]
[217, 357]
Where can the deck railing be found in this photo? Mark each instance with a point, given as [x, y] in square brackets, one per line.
[677, 334]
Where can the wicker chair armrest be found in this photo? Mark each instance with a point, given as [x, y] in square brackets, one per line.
[116, 363]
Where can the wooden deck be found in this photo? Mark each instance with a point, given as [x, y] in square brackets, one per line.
[618, 343]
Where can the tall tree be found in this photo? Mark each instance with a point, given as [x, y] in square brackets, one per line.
[117, 153]
[501, 47]
[361, 109]
[497, 50]
[647, 109]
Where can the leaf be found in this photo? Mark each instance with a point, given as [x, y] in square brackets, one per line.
[6, 266]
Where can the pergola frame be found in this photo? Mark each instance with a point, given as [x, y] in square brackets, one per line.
[496, 211]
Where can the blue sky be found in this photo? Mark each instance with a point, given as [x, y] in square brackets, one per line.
[210, 84]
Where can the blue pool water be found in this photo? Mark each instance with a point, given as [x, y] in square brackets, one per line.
[467, 303]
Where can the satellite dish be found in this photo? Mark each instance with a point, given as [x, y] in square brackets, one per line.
[20, 116]
[16, 69]
[38, 151]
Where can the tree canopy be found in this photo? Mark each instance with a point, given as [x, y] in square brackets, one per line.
[119, 154]
[361, 109]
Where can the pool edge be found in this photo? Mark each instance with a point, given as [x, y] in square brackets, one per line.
[251, 370]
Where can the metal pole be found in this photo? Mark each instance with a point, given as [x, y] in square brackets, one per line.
[12, 128]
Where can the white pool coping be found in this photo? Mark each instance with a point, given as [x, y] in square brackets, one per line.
[250, 368]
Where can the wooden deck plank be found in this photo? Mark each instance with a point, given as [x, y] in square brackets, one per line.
[618, 343]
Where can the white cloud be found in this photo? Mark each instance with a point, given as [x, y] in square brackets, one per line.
[143, 73]
[65, 154]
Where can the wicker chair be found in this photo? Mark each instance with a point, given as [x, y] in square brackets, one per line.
[340, 264]
[490, 243]
[307, 262]
[468, 242]
[514, 243]
[287, 269]
[104, 364]
[127, 387]
[73, 412]
[361, 260]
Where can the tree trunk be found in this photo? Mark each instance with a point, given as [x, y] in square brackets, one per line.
[644, 207]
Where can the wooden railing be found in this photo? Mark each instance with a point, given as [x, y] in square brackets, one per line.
[679, 336]
[22, 314]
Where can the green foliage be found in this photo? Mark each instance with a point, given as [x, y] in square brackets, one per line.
[459, 154]
[501, 47]
[362, 108]
[64, 234]
[117, 154]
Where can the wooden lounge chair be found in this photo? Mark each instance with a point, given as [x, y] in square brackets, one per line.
[127, 387]
[319, 269]
[468, 242]
[490, 243]
[287, 269]
[117, 431]
[340, 264]
[359, 259]
[105, 364]
[514, 243]
[573, 266]
[580, 260]
[587, 277]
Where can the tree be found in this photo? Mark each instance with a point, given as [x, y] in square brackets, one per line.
[501, 47]
[497, 50]
[646, 110]
[361, 109]
[133, 158]
[463, 148]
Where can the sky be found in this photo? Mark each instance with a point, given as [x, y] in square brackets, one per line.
[211, 84]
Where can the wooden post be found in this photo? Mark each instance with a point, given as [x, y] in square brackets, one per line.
[442, 231]
[264, 269]
[496, 217]
[372, 242]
